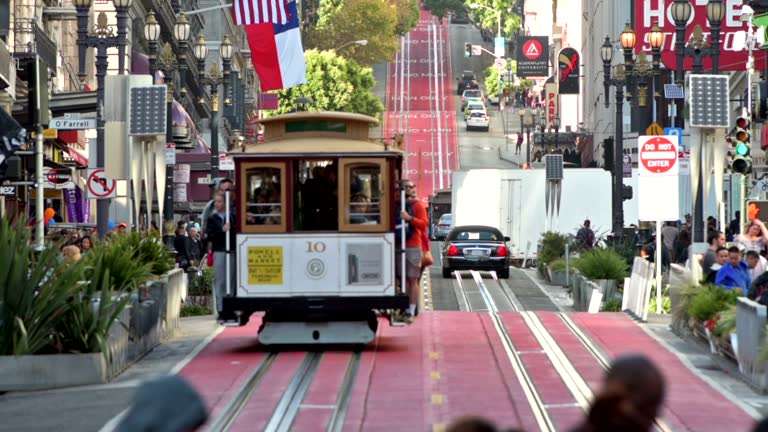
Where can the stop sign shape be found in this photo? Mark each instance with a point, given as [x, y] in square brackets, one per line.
[658, 154]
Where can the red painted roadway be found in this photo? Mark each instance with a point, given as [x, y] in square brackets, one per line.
[423, 141]
[450, 364]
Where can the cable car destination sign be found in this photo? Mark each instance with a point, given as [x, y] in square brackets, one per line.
[732, 55]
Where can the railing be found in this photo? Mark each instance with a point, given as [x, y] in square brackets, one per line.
[750, 330]
[637, 289]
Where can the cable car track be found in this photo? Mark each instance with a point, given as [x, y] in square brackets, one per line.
[290, 403]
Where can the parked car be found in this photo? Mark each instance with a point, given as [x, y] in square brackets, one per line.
[471, 94]
[443, 226]
[468, 80]
[473, 105]
[478, 120]
[475, 247]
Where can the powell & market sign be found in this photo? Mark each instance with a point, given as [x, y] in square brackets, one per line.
[648, 12]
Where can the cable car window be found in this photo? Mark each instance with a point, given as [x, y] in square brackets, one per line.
[316, 199]
[263, 197]
[315, 126]
[364, 195]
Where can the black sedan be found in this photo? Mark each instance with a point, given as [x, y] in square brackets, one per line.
[475, 247]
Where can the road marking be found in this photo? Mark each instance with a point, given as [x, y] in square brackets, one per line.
[435, 376]
[437, 399]
[438, 427]
[433, 355]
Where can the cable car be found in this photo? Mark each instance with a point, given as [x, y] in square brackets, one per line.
[316, 243]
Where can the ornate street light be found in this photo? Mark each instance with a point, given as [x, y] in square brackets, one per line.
[182, 28]
[201, 52]
[152, 35]
[102, 39]
[225, 51]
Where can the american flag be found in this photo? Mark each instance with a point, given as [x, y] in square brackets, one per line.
[247, 12]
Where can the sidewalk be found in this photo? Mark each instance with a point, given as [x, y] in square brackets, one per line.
[89, 408]
[507, 152]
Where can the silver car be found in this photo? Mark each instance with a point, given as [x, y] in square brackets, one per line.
[443, 226]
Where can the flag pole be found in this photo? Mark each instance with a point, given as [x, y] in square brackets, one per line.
[207, 9]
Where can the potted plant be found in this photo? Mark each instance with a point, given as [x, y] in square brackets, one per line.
[556, 270]
[704, 308]
[551, 248]
[605, 267]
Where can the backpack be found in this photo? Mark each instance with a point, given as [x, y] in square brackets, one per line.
[409, 230]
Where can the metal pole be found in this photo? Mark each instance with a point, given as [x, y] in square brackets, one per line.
[102, 205]
[658, 267]
[567, 265]
[122, 37]
[168, 205]
[402, 85]
[618, 203]
[40, 191]
[498, 31]
[214, 132]
[439, 138]
[206, 9]
[227, 245]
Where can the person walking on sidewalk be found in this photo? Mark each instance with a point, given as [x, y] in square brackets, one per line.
[518, 148]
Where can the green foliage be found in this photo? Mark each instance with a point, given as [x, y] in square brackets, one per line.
[602, 264]
[334, 84]
[552, 248]
[487, 17]
[114, 266]
[612, 305]
[373, 20]
[626, 248]
[203, 284]
[152, 251]
[727, 322]
[666, 301]
[327, 9]
[35, 288]
[195, 310]
[493, 86]
[709, 301]
[408, 14]
[441, 8]
[557, 265]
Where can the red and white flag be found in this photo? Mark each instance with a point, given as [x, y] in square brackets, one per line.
[247, 12]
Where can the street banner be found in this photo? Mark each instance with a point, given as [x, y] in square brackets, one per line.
[569, 71]
[732, 56]
[551, 104]
[12, 136]
[532, 56]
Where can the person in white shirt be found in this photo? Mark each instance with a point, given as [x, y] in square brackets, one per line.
[756, 263]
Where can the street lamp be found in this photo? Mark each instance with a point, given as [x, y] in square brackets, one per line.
[152, 35]
[226, 51]
[477, 6]
[102, 39]
[213, 79]
[697, 49]
[626, 75]
[556, 125]
[361, 42]
[656, 39]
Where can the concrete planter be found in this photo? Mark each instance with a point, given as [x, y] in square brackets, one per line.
[557, 278]
[39, 372]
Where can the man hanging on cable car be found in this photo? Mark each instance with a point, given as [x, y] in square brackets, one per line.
[415, 215]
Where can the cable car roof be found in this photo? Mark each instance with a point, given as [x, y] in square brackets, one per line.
[318, 145]
[321, 115]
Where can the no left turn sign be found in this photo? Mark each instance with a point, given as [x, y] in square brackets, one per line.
[99, 186]
[658, 155]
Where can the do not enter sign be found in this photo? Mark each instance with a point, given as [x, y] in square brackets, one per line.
[658, 155]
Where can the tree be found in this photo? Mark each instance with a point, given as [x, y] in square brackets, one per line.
[334, 84]
[372, 20]
[441, 8]
[408, 14]
[488, 19]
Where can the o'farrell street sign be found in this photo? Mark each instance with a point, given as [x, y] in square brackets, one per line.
[72, 123]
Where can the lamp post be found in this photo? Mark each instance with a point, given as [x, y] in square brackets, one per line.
[521, 112]
[225, 51]
[656, 39]
[556, 126]
[498, 13]
[534, 122]
[214, 80]
[698, 49]
[361, 42]
[152, 35]
[102, 38]
[630, 75]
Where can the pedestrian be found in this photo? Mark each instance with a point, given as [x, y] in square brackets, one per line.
[417, 220]
[518, 148]
[630, 399]
[222, 186]
[86, 244]
[218, 230]
[735, 273]
[585, 236]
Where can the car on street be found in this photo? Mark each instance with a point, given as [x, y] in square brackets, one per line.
[473, 105]
[471, 94]
[478, 120]
[443, 226]
[467, 80]
[475, 247]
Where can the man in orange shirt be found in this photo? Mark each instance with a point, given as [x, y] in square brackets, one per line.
[418, 221]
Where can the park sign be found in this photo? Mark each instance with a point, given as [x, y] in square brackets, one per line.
[732, 55]
[532, 56]
[658, 184]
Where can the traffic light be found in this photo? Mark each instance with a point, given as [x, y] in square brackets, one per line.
[741, 161]
[608, 154]
[467, 49]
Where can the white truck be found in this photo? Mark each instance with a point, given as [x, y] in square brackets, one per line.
[514, 201]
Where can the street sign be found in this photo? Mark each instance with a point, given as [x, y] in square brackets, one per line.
[477, 50]
[58, 178]
[654, 129]
[226, 162]
[708, 101]
[500, 63]
[63, 123]
[170, 154]
[99, 185]
[499, 45]
[658, 155]
[7, 191]
[533, 56]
